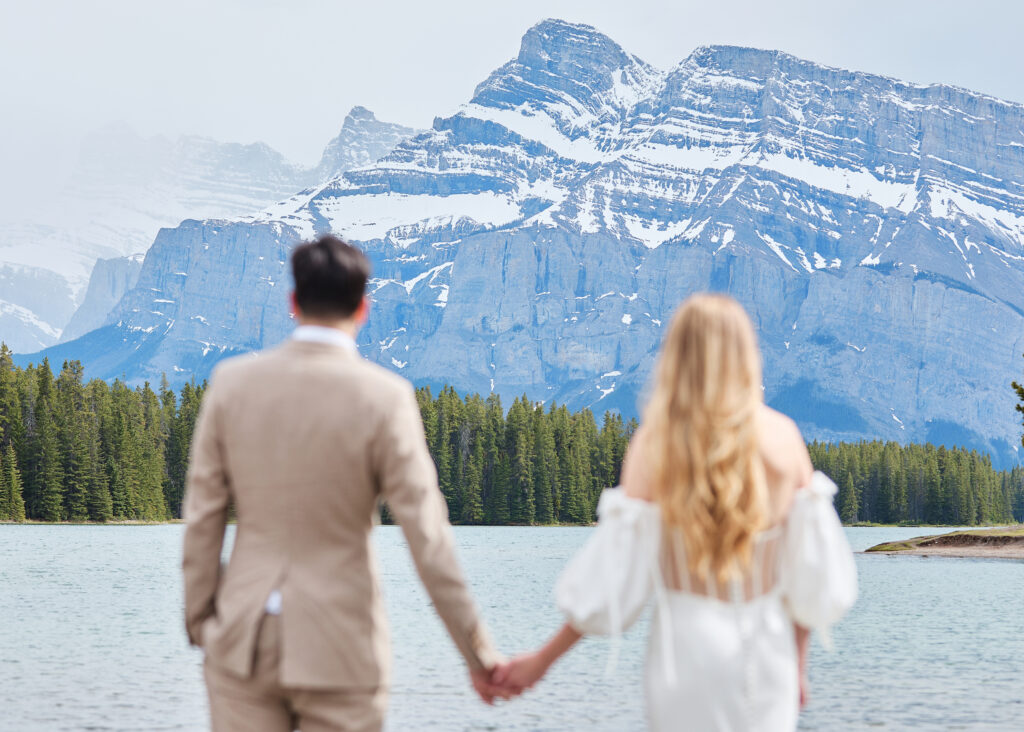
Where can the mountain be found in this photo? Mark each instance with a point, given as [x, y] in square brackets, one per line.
[538, 240]
[363, 139]
[110, 280]
[125, 189]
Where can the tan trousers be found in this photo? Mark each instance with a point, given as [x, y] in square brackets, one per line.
[260, 704]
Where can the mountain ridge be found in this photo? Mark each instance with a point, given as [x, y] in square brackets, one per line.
[126, 187]
[538, 239]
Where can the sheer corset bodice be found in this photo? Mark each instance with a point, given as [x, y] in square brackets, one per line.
[760, 577]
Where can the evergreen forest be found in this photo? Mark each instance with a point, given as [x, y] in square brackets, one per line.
[76, 450]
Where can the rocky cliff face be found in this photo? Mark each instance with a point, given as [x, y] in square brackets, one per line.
[538, 240]
[124, 190]
[363, 140]
[110, 280]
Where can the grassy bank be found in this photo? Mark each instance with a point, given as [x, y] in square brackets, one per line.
[1005, 542]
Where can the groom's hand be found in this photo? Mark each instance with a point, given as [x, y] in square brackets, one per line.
[521, 673]
[486, 688]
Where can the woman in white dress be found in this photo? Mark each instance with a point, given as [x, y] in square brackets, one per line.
[723, 523]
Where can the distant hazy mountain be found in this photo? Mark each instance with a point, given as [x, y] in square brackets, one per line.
[125, 189]
[110, 280]
[539, 239]
[363, 139]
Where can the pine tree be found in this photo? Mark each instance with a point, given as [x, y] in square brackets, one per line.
[545, 467]
[6, 494]
[899, 504]
[496, 478]
[561, 431]
[98, 502]
[579, 506]
[120, 501]
[933, 508]
[890, 502]
[151, 466]
[591, 481]
[10, 479]
[519, 444]
[78, 474]
[178, 443]
[611, 432]
[12, 427]
[441, 450]
[168, 414]
[472, 502]
[72, 420]
[428, 413]
[47, 474]
[50, 475]
[850, 503]
[97, 499]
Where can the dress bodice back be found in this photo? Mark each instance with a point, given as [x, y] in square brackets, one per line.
[760, 577]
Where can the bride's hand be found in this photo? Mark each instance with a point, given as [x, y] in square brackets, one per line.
[522, 672]
[805, 690]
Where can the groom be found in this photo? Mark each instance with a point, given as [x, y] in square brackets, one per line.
[305, 440]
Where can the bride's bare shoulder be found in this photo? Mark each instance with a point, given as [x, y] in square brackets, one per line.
[635, 479]
[783, 448]
[777, 426]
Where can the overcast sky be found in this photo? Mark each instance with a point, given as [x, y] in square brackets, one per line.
[286, 72]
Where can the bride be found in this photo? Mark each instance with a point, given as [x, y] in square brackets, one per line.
[722, 521]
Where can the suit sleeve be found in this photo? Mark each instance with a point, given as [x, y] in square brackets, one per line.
[207, 494]
[407, 480]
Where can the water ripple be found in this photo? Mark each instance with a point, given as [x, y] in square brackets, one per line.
[91, 639]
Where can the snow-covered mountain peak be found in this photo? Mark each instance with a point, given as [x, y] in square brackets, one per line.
[747, 60]
[573, 74]
[553, 44]
[360, 112]
[362, 140]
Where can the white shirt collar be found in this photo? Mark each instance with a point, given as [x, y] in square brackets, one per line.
[321, 334]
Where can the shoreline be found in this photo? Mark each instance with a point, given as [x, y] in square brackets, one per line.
[1000, 543]
[171, 522]
[126, 522]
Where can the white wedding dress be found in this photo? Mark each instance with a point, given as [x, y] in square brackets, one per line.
[719, 658]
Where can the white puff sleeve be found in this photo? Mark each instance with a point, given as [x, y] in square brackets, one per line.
[606, 585]
[819, 578]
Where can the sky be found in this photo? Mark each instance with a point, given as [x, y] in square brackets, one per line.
[287, 72]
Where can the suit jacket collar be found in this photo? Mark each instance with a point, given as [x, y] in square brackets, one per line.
[321, 334]
[296, 347]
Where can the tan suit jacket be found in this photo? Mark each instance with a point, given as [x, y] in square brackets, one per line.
[304, 440]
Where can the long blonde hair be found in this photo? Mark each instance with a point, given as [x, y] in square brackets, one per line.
[701, 437]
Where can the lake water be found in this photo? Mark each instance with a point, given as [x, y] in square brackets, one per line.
[91, 638]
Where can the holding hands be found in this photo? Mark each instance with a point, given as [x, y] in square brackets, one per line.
[522, 672]
[512, 678]
[485, 686]
[509, 679]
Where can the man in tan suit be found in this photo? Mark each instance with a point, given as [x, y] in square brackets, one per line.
[305, 440]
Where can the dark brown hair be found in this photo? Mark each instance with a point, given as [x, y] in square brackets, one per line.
[330, 277]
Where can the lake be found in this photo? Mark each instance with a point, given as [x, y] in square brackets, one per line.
[91, 638]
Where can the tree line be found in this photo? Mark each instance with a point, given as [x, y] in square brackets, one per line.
[77, 451]
[72, 450]
[530, 465]
[885, 482]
